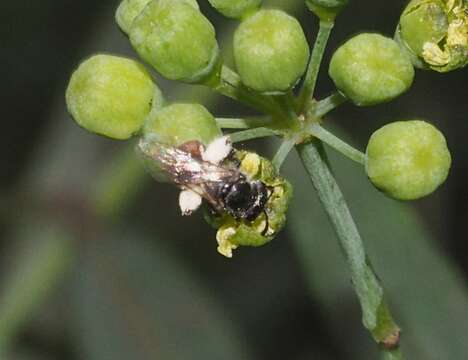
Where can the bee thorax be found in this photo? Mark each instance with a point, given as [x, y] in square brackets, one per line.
[244, 199]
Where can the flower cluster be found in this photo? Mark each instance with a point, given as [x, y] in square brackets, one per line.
[116, 97]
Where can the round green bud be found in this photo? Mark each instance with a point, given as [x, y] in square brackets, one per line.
[233, 233]
[371, 69]
[236, 9]
[326, 10]
[128, 10]
[435, 33]
[177, 40]
[270, 51]
[407, 159]
[111, 96]
[179, 123]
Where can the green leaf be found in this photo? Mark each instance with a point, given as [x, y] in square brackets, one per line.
[45, 254]
[134, 300]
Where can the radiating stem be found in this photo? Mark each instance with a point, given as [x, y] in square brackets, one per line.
[283, 151]
[336, 143]
[326, 105]
[314, 64]
[251, 134]
[231, 86]
[243, 123]
[375, 313]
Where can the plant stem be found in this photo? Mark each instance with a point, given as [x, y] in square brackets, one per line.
[251, 134]
[283, 151]
[376, 316]
[310, 80]
[231, 86]
[246, 123]
[326, 105]
[336, 143]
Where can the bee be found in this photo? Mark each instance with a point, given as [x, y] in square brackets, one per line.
[208, 173]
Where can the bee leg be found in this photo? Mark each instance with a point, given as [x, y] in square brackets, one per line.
[189, 201]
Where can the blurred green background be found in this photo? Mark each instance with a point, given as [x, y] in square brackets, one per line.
[97, 270]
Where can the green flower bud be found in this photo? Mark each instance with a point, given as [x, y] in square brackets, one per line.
[179, 123]
[326, 10]
[407, 159]
[128, 10]
[435, 33]
[270, 51]
[177, 40]
[371, 69]
[111, 96]
[233, 233]
[236, 9]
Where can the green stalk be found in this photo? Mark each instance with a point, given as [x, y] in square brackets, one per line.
[282, 153]
[251, 134]
[246, 123]
[326, 105]
[336, 143]
[307, 91]
[376, 316]
[231, 86]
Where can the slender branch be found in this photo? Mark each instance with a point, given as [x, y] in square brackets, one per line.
[251, 134]
[375, 313]
[283, 151]
[231, 86]
[326, 105]
[310, 80]
[246, 123]
[336, 143]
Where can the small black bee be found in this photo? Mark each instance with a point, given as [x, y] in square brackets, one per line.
[208, 174]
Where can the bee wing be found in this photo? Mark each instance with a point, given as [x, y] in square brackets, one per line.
[156, 158]
[170, 164]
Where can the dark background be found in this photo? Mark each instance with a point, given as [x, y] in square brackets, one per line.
[48, 166]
